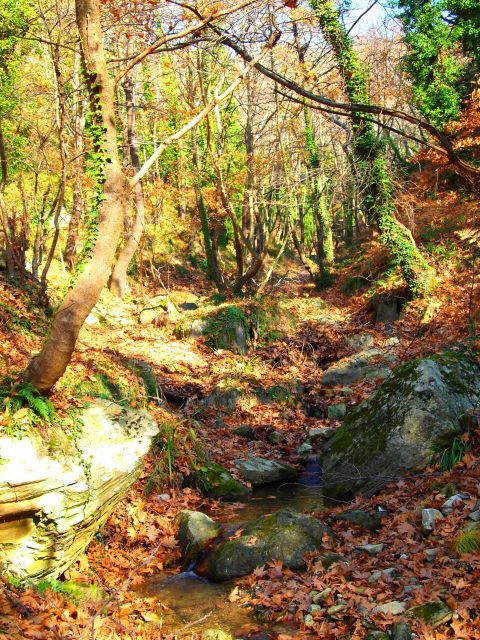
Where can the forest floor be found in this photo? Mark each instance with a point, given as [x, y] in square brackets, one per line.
[139, 541]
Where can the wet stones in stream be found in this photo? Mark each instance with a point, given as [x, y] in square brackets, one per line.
[259, 471]
[284, 536]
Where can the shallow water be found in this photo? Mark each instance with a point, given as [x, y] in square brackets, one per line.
[196, 604]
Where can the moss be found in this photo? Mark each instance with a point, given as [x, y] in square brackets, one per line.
[215, 481]
[433, 613]
[145, 372]
[221, 328]
[378, 414]
[269, 318]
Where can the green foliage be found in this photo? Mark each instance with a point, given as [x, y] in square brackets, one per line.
[171, 445]
[468, 541]
[453, 454]
[438, 32]
[16, 395]
[73, 591]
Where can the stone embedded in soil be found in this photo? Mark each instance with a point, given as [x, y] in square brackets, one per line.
[433, 613]
[260, 471]
[368, 520]
[429, 519]
[195, 531]
[401, 631]
[392, 608]
[284, 536]
[371, 549]
[245, 431]
[320, 433]
[337, 411]
[361, 366]
[360, 341]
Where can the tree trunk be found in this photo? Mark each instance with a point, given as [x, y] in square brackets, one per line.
[119, 280]
[108, 211]
[378, 194]
[77, 205]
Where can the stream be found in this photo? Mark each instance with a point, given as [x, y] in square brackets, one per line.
[192, 604]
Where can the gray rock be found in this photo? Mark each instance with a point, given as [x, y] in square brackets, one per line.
[360, 341]
[392, 608]
[399, 428]
[284, 536]
[336, 411]
[260, 471]
[371, 549]
[391, 342]
[368, 520]
[431, 555]
[360, 366]
[195, 531]
[452, 503]
[475, 515]
[245, 431]
[197, 327]
[215, 481]
[429, 517]
[401, 631]
[433, 613]
[304, 449]
[320, 433]
[321, 596]
[387, 574]
[188, 306]
[313, 608]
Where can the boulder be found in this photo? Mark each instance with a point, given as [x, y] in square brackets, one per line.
[195, 532]
[284, 536]
[159, 309]
[433, 613]
[260, 471]
[365, 365]
[55, 495]
[215, 481]
[401, 428]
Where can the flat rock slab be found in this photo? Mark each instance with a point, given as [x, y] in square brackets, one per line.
[260, 471]
[52, 503]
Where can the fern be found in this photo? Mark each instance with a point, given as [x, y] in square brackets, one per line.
[16, 394]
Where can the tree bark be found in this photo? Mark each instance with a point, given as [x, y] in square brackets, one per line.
[45, 369]
[119, 279]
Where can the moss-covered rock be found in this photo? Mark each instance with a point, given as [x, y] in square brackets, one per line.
[284, 535]
[215, 481]
[432, 613]
[413, 416]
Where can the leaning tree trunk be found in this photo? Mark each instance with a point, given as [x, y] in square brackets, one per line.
[107, 210]
[378, 198]
[119, 279]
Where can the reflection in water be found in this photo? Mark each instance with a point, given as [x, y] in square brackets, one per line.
[196, 600]
[196, 604]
